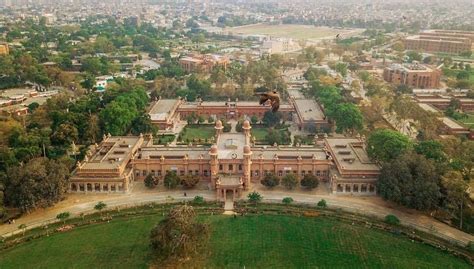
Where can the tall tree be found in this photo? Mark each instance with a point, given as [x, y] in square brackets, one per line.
[179, 235]
[385, 145]
[410, 180]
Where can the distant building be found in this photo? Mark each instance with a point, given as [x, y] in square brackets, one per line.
[203, 62]
[4, 49]
[413, 75]
[280, 45]
[441, 41]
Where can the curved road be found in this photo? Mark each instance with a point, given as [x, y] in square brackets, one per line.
[372, 206]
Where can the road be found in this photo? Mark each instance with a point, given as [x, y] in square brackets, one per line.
[373, 206]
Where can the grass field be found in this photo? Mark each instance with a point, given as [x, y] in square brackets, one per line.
[203, 132]
[469, 121]
[260, 133]
[288, 30]
[252, 242]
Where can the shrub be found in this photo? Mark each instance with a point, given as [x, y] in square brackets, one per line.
[189, 181]
[309, 181]
[171, 180]
[270, 181]
[470, 246]
[289, 181]
[198, 199]
[392, 220]
[287, 200]
[254, 197]
[322, 203]
[151, 181]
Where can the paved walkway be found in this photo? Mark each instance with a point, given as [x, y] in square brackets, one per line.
[84, 203]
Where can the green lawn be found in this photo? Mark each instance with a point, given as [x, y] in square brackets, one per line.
[263, 241]
[163, 139]
[202, 132]
[260, 133]
[469, 121]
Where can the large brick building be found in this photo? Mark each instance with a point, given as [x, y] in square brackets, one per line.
[413, 75]
[441, 41]
[203, 62]
[165, 113]
[229, 166]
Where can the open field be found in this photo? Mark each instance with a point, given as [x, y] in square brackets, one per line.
[262, 241]
[293, 31]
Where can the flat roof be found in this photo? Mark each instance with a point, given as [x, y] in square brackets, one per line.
[309, 110]
[428, 108]
[349, 154]
[112, 153]
[451, 123]
[231, 145]
[162, 109]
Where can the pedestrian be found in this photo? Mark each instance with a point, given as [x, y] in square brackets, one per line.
[185, 195]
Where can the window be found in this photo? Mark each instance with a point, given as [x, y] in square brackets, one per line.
[240, 167]
[196, 172]
[280, 173]
[220, 167]
[153, 172]
[318, 173]
[205, 173]
[159, 172]
[231, 167]
[256, 173]
[303, 172]
[144, 173]
[287, 172]
[181, 172]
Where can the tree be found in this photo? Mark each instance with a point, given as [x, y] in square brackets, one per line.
[384, 145]
[271, 119]
[309, 182]
[348, 118]
[171, 180]
[392, 220]
[270, 181]
[38, 183]
[178, 235]
[414, 56]
[289, 181]
[431, 149]
[63, 216]
[322, 203]
[254, 197]
[100, 206]
[151, 181]
[254, 119]
[189, 181]
[341, 68]
[455, 194]
[410, 180]
[287, 200]
[65, 134]
[32, 107]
